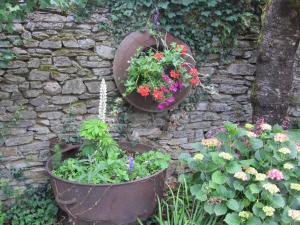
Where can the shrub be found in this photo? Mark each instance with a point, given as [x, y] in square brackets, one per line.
[247, 175]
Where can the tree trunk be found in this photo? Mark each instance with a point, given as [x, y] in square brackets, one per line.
[274, 72]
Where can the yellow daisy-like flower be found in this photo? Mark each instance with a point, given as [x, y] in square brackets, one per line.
[251, 170]
[294, 214]
[198, 156]
[260, 177]
[269, 211]
[249, 126]
[241, 175]
[266, 126]
[251, 134]
[245, 214]
[280, 137]
[295, 186]
[225, 155]
[272, 188]
[284, 150]
[288, 166]
[211, 142]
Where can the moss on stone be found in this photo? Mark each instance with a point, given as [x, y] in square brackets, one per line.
[73, 52]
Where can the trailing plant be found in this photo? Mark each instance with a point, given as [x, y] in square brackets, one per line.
[248, 175]
[101, 160]
[2, 215]
[180, 208]
[35, 206]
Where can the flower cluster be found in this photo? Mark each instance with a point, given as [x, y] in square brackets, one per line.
[295, 186]
[280, 137]
[198, 156]
[211, 142]
[245, 214]
[288, 166]
[294, 214]
[241, 175]
[272, 188]
[284, 150]
[275, 174]
[161, 74]
[225, 155]
[268, 210]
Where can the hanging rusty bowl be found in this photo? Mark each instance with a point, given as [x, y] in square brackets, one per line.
[108, 204]
[126, 50]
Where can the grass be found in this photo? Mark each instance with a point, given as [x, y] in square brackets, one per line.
[179, 208]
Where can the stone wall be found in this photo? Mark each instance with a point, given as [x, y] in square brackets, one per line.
[54, 84]
[294, 110]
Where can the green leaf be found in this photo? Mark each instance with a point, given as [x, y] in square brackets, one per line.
[256, 143]
[233, 204]
[209, 208]
[233, 167]
[238, 186]
[250, 196]
[278, 201]
[253, 221]
[255, 189]
[218, 177]
[196, 190]
[232, 219]
[220, 209]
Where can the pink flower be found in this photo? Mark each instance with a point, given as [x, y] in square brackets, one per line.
[275, 174]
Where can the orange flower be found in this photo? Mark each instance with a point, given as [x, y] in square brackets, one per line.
[158, 94]
[143, 90]
[194, 72]
[158, 55]
[174, 75]
[183, 49]
[195, 81]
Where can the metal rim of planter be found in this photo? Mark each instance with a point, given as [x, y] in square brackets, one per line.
[125, 51]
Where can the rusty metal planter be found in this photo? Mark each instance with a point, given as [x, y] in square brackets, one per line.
[126, 50]
[108, 204]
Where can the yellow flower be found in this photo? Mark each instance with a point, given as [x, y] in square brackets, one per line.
[294, 214]
[249, 126]
[211, 142]
[280, 137]
[251, 134]
[269, 211]
[288, 166]
[251, 170]
[295, 186]
[260, 177]
[245, 214]
[284, 150]
[266, 126]
[225, 155]
[241, 175]
[272, 188]
[198, 156]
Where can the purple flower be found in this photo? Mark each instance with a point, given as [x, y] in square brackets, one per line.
[167, 79]
[170, 100]
[174, 87]
[162, 105]
[179, 84]
[131, 163]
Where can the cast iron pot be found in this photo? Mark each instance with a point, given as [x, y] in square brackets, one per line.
[126, 50]
[108, 204]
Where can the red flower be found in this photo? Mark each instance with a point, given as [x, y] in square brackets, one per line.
[194, 72]
[143, 90]
[183, 49]
[195, 81]
[174, 75]
[158, 94]
[158, 55]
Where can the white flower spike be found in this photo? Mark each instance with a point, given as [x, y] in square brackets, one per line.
[102, 101]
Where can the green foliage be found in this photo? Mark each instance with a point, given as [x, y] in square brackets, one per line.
[57, 156]
[2, 215]
[209, 26]
[34, 206]
[180, 208]
[231, 175]
[101, 160]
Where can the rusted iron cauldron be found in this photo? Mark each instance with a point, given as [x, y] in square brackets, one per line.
[128, 49]
[108, 204]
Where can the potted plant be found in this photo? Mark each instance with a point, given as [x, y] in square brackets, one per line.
[154, 72]
[107, 182]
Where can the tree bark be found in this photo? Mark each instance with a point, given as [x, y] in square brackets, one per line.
[274, 71]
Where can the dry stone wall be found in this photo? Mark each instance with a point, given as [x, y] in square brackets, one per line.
[54, 84]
